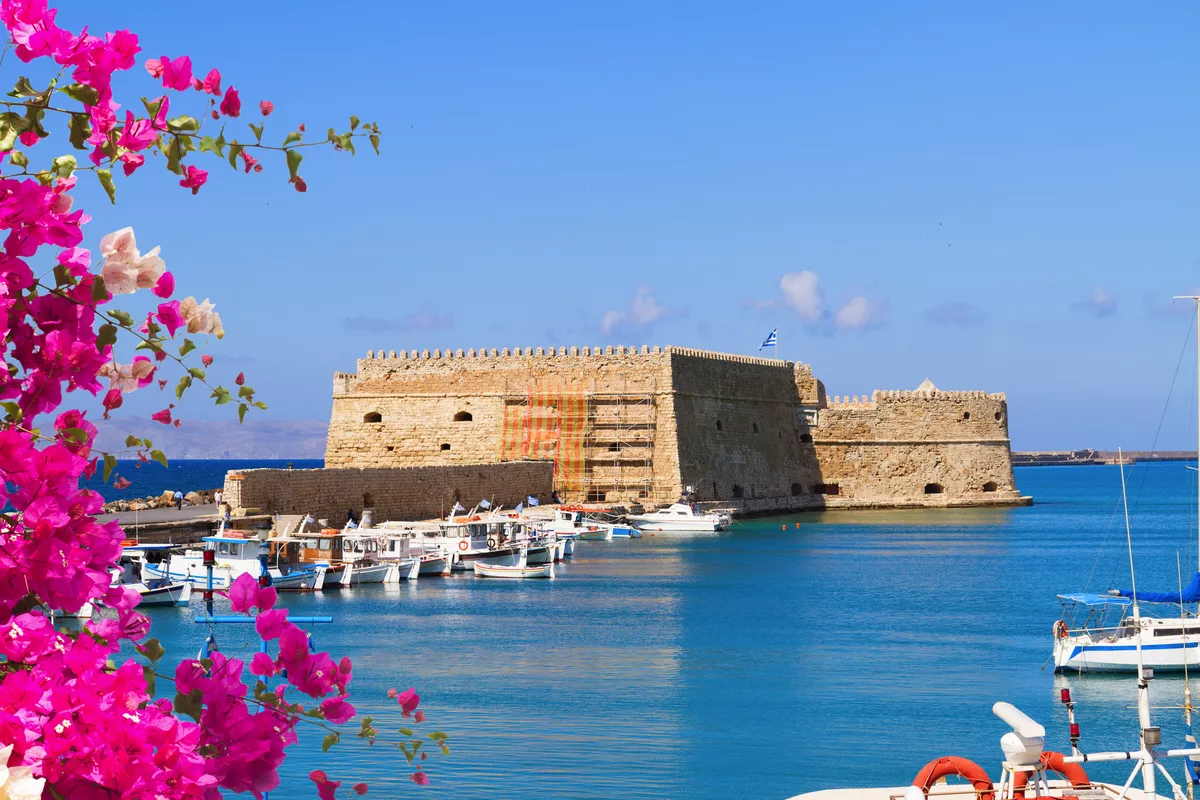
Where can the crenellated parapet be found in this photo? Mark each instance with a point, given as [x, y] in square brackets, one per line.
[598, 351]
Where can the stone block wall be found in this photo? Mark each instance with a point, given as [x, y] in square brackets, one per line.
[405, 493]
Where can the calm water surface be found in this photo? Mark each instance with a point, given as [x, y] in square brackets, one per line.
[759, 663]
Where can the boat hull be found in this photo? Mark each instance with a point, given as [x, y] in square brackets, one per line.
[1163, 654]
[175, 594]
[362, 574]
[438, 565]
[504, 556]
[518, 572]
[154, 573]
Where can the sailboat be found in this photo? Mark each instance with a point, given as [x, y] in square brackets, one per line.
[1097, 632]
[1026, 761]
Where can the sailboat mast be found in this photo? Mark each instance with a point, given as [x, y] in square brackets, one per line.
[1143, 684]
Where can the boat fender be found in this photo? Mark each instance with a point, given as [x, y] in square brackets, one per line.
[1055, 762]
[1060, 629]
[491, 542]
[940, 768]
[462, 545]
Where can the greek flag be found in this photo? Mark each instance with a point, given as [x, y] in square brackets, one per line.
[520, 508]
[1191, 761]
[533, 501]
[457, 507]
[484, 504]
[772, 339]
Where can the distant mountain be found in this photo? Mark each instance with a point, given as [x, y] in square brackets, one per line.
[257, 438]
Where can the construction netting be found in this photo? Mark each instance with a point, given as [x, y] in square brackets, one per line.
[551, 423]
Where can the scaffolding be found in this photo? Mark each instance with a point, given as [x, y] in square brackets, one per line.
[602, 443]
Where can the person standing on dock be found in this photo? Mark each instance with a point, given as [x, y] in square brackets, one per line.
[178, 500]
[217, 498]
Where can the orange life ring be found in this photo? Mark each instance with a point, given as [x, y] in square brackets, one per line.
[1060, 629]
[462, 545]
[1055, 762]
[939, 768]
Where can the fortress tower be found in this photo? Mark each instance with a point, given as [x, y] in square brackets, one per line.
[624, 424]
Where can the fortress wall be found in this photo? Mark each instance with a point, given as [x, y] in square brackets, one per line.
[400, 494]
[756, 451]
[886, 450]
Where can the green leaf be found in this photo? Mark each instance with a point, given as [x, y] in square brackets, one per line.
[245, 391]
[346, 142]
[147, 443]
[13, 410]
[158, 456]
[81, 128]
[182, 386]
[11, 126]
[106, 335]
[123, 317]
[353, 122]
[110, 463]
[64, 166]
[196, 372]
[24, 88]
[406, 732]
[260, 405]
[175, 155]
[242, 408]
[235, 150]
[18, 158]
[293, 161]
[132, 441]
[366, 724]
[152, 649]
[189, 704]
[187, 347]
[258, 131]
[106, 180]
[84, 94]
[33, 119]
[183, 124]
[152, 106]
[374, 138]
[99, 293]
[75, 435]
[329, 741]
[222, 396]
[208, 144]
[294, 136]
[438, 736]
[149, 677]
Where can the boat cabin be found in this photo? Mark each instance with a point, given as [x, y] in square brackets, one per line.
[232, 549]
[316, 547]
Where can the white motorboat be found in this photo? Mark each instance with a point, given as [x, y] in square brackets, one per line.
[521, 569]
[366, 572]
[169, 594]
[128, 572]
[234, 556]
[361, 554]
[681, 518]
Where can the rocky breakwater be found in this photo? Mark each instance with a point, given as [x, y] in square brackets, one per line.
[164, 500]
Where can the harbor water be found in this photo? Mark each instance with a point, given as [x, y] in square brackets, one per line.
[786, 655]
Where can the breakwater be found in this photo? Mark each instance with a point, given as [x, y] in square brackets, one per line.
[1049, 458]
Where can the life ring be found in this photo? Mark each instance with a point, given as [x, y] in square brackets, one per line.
[1060, 629]
[491, 542]
[462, 545]
[939, 768]
[1055, 762]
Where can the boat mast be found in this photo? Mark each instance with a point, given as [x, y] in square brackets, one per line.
[1143, 684]
[1196, 300]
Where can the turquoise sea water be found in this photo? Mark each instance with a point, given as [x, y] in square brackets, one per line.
[758, 663]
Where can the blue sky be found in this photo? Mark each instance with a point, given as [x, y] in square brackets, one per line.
[1000, 199]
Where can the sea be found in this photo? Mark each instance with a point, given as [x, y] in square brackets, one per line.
[151, 479]
[785, 655]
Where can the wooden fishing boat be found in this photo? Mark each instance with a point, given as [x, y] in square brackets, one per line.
[519, 571]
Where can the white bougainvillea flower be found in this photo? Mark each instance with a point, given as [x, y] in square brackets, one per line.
[126, 377]
[18, 783]
[200, 317]
[125, 270]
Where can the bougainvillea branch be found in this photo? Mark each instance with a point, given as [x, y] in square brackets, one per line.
[78, 720]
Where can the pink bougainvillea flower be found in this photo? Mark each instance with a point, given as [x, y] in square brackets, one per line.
[270, 624]
[300, 185]
[206, 360]
[266, 107]
[212, 83]
[125, 270]
[171, 318]
[231, 105]
[194, 179]
[154, 67]
[200, 317]
[250, 161]
[360, 788]
[112, 400]
[29, 138]
[163, 416]
[391, 693]
[176, 74]
[240, 380]
[242, 593]
[419, 716]
[262, 665]
[122, 483]
[165, 287]
[130, 162]
[408, 700]
[420, 778]
[138, 133]
[318, 776]
[337, 710]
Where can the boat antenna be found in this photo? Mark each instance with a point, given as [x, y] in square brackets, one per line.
[1143, 679]
[1196, 300]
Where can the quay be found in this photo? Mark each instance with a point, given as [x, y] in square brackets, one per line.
[171, 526]
[1076, 457]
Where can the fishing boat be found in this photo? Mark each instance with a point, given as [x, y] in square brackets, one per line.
[1026, 761]
[128, 572]
[362, 557]
[521, 569]
[681, 518]
[235, 556]
[406, 541]
[1099, 633]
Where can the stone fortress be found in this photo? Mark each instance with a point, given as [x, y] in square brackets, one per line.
[627, 425]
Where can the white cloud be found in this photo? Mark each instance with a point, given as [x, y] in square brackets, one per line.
[1099, 302]
[859, 313]
[802, 292]
[643, 311]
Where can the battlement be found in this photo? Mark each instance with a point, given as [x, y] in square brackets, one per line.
[567, 352]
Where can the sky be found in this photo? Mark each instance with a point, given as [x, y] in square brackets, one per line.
[999, 198]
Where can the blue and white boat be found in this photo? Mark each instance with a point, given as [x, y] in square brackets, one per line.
[233, 557]
[1097, 632]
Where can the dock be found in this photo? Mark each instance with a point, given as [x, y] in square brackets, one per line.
[1059, 458]
[183, 526]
